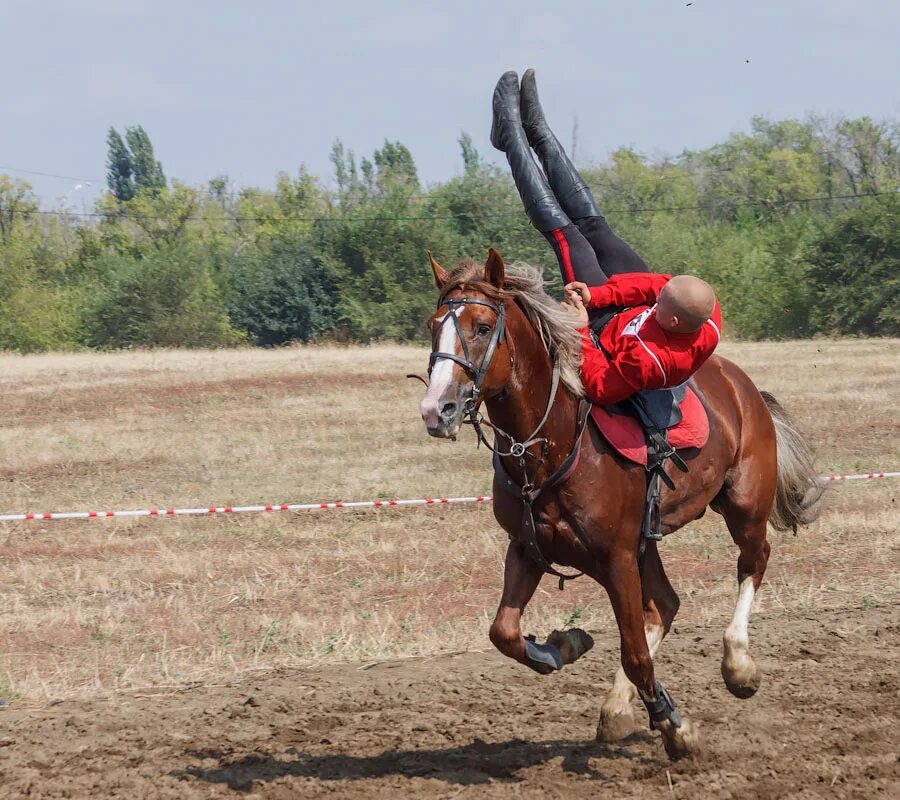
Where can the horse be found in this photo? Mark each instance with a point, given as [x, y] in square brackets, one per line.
[500, 341]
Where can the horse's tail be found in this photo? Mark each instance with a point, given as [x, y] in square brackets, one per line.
[798, 496]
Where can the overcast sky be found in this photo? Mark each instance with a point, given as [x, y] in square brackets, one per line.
[251, 88]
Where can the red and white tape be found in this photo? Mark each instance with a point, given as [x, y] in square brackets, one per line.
[212, 510]
[208, 511]
[865, 476]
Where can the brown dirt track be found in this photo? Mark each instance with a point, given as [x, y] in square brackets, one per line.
[310, 654]
[823, 725]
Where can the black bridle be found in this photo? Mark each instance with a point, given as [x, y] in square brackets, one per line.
[475, 371]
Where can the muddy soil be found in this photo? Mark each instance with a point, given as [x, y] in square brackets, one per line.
[826, 723]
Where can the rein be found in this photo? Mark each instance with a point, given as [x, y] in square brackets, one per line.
[527, 492]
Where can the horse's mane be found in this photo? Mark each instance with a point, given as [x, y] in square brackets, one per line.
[557, 329]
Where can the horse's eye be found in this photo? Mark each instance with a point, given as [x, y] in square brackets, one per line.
[484, 330]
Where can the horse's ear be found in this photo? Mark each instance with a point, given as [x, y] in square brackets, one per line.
[441, 276]
[494, 269]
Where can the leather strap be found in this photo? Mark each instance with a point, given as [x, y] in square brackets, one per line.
[529, 494]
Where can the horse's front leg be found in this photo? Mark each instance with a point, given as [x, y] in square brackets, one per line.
[623, 584]
[521, 577]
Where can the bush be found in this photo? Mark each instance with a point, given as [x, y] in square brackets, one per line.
[281, 294]
[36, 318]
[854, 270]
[167, 299]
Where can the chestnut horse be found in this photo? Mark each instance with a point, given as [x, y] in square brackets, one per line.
[499, 339]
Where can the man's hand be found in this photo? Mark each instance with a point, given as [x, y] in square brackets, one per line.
[575, 306]
[581, 289]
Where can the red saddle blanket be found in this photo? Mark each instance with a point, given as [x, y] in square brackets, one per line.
[626, 435]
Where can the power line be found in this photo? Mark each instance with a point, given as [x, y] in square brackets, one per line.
[443, 217]
[51, 175]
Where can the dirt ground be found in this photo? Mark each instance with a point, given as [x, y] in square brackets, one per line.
[824, 724]
[345, 652]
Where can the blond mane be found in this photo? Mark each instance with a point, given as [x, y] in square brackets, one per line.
[555, 326]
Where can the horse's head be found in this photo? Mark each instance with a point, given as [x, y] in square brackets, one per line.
[469, 348]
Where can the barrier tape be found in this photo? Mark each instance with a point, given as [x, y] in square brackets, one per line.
[212, 510]
[865, 476]
[207, 511]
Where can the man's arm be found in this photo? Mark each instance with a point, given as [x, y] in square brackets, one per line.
[628, 289]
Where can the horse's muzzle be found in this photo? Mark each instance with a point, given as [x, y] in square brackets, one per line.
[443, 419]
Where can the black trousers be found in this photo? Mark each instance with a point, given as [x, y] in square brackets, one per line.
[589, 251]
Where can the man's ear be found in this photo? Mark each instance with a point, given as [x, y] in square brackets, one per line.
[494, 269]
[441, 276]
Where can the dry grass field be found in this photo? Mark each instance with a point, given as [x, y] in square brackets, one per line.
[100, 606]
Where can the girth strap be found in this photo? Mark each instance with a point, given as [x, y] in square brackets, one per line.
[529, 494]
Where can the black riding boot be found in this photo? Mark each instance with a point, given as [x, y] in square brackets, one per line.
[569, 187]
[613, 255]
[508, 136]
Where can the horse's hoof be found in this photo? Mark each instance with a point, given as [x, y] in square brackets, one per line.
[683, 742]
[572, 644]
[615, 725]
[741, 675]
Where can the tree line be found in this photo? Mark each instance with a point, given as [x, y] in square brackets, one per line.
[796, 223]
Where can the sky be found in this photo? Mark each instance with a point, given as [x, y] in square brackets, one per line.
[250, 89]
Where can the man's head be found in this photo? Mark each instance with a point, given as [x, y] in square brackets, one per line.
[685, 303]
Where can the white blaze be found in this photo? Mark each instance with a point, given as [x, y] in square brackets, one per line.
[442, 373]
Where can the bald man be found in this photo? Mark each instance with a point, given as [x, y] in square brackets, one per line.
[669, 327]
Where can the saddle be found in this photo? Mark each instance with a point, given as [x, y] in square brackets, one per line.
[655, 409]
[679, 412]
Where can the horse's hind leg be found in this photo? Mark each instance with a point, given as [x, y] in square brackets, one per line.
[746, 516]
[521, 577]
[660, 606]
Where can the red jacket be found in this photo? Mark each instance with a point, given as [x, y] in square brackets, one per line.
[643, 355]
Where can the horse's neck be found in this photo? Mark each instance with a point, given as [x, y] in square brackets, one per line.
[520, 407]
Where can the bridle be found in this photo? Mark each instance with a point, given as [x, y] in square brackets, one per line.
[475, 371]
[527, 492]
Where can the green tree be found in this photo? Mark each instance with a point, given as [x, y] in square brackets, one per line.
[396, 167]
[165, 262]
[471, 158]
[131, 165]
[148, 172]
[17, 204]
[119, 169]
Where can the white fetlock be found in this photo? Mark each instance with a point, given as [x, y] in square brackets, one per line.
[742, 676]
